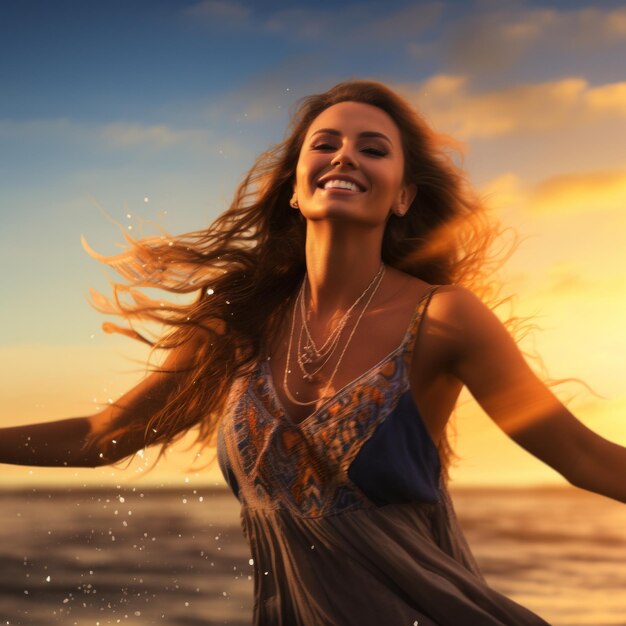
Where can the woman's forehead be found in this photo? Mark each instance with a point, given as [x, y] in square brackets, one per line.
[354, 118]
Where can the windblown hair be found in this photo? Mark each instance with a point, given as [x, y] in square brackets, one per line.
[246, 266]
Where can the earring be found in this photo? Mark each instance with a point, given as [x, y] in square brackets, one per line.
[294, 202]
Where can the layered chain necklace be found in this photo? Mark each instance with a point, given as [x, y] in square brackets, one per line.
[307, 352]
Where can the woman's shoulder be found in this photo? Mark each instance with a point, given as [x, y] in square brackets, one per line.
[445, 295]
[449, 305]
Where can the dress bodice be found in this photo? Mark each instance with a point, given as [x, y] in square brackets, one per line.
[367, 445]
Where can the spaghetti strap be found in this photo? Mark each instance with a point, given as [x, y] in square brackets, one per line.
[413, 330]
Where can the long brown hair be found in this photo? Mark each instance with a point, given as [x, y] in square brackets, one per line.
[244, 268]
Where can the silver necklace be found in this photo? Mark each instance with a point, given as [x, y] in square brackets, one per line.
[311, 351]
[293, 322]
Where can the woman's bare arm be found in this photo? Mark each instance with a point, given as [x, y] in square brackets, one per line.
[51, 444]
[62, 442]
[487, 360]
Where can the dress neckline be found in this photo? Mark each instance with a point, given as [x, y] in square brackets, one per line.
[272, 389]
[267, 371]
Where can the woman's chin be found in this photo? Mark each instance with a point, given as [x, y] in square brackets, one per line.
[344, 215]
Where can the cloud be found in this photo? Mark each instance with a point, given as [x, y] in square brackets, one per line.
[452, 106]
[115, 133]
[573, 193]
[45, 139]
[496, 39]
[122, 134]
[585, 192]
[608, 99]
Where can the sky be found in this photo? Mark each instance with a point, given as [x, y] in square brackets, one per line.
[121, 114]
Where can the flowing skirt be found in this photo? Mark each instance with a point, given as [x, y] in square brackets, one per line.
[403, 563]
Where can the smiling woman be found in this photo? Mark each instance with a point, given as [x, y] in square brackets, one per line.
[340, 308]
[353, 174]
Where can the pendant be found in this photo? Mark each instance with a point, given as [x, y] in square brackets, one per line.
[308, 355]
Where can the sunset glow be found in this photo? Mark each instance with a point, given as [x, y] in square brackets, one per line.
[535, 92]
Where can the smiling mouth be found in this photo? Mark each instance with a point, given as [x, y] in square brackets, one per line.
[340, 183]
[339, 190]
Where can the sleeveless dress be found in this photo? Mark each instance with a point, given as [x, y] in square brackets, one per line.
[348, 520]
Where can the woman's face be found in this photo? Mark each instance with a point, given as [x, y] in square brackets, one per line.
[360, 144]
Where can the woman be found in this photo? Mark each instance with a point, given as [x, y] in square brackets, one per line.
[331, 335]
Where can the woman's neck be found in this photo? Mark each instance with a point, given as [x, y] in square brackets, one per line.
[340, 265]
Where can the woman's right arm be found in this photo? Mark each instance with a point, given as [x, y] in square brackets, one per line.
[63, 442]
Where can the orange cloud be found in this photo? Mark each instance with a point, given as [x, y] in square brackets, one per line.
[580, 193]
[565, 194]
[452, 106]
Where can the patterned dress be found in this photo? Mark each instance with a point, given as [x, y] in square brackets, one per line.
[346, 515]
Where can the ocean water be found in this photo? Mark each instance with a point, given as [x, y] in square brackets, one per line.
[138, 556]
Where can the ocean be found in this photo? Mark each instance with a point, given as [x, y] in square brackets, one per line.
[139, 556]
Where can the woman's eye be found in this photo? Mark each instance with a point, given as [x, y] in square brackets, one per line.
[375, 151]
[327, 146]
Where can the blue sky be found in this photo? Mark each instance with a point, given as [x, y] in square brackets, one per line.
[155, 110]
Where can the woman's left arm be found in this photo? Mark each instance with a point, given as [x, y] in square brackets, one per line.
[484, 356]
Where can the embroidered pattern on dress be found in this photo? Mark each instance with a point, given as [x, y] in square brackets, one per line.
[303, 467]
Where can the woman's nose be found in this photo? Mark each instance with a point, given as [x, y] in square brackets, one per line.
[344, 156]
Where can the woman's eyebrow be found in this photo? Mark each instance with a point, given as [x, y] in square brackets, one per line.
[365, 133]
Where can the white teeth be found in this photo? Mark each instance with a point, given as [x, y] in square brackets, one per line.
[340, 184]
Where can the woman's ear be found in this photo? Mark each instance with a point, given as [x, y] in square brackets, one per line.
[294, 199]
[405, 199]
